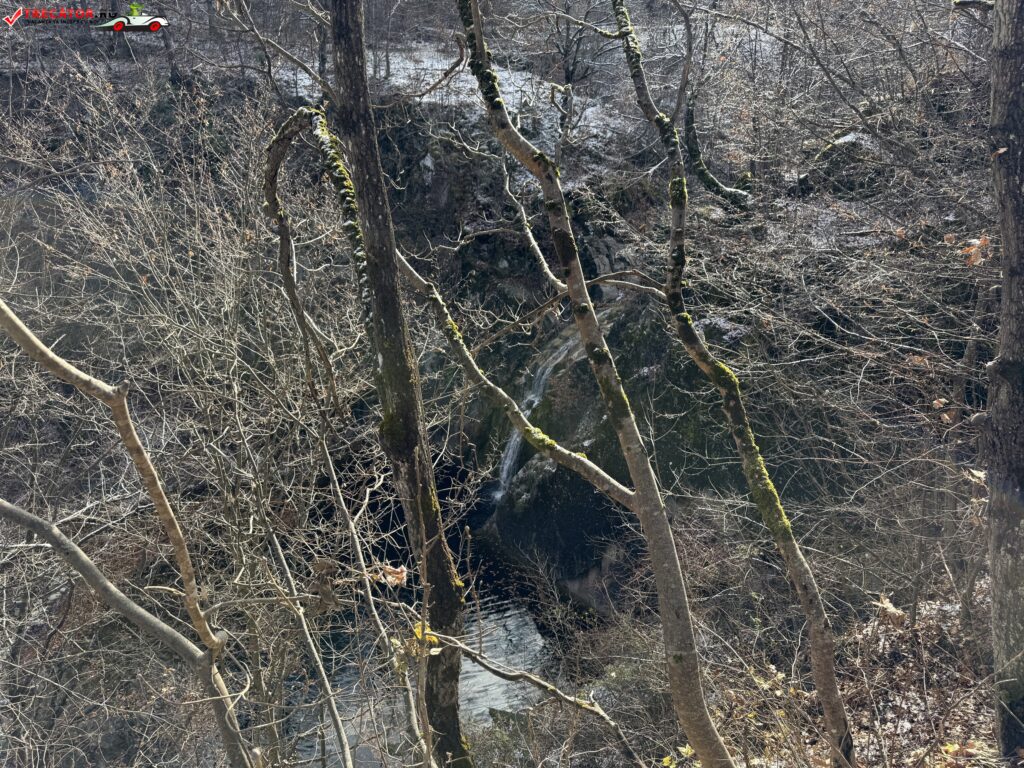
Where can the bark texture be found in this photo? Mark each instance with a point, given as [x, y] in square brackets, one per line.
[1003, 441]
[398, 386]
[762, 490]
[681, 656]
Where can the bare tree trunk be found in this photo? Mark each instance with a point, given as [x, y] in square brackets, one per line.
[334, 164]
[762, 490]
[681, 656]
[1003, 439]
[398, 386]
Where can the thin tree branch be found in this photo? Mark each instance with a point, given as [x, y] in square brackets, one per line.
[200, 662]
[590, 707]
[116, 398]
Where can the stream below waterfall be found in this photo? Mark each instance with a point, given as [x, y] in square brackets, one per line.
[498, 622]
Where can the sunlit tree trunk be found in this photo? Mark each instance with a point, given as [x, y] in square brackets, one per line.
[1003, 443]
[762, 489]
[681, 655]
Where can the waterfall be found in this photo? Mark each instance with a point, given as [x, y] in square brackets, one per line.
[510, 455]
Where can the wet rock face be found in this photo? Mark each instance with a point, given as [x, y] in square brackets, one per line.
[545, 514]
[542, 515]
[548, 515]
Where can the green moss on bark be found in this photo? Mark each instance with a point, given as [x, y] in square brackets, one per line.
[677, 194]
[723, 378]
[537, 437]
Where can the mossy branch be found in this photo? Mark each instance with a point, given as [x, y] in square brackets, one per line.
[541, 442]
[762, 490]
[733, 196]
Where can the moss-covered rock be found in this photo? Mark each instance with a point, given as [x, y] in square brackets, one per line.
[851, 164]
[549, 514]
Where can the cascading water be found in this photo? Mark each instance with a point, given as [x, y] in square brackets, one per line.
[510, 455]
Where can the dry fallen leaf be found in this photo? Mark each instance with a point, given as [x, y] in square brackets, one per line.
[393, 577]
[889, 613]
[975, 259]
[920, 360]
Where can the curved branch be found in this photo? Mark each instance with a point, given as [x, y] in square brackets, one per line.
[310, 332]
[111, 596]
[200, 662]
[733, 196]
[116, 398]
[576, 462]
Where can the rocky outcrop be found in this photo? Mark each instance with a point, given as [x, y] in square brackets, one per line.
[544, 514]
[851, 165]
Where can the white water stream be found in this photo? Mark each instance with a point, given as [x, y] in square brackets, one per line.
[510, 455]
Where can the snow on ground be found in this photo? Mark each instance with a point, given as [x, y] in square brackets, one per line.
[416, 67]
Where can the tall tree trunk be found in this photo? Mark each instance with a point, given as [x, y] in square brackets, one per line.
[1003, 440]
[681, 655]
[398, 386]
[762, 489]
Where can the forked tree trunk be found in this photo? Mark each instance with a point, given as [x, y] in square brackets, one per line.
[681, 656]
[1003, 440]
[762, 490]
[403, 435]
